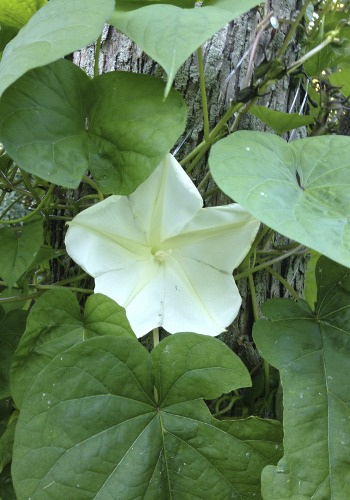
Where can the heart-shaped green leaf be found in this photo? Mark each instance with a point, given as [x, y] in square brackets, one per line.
[56, 323]
[195, 375]
[57, 123]
[90, 426]
[19, 247]
[58, 28]
[170, 33]
[312, 353]
[291, 187]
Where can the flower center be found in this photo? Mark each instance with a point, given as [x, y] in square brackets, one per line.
[160, 255]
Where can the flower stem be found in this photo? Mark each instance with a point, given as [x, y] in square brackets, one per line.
[97, 56]
[155, 332]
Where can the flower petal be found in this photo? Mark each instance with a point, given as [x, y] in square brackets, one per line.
[218, 236]
[186, 296]
[166, 201]
[105, 237]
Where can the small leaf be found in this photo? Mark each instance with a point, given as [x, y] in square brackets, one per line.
[341, 78]
[170, 33]
[200, 366]
[290, 187]
[57, 29]
[6, 443]
[19, 247]
[278, 121]
[90, 418]
[56, 323]
[12, 326]
[310, 289]
[57, 123]
[312, 353]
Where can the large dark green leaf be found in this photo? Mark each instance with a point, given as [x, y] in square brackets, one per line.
[312, 352]
[19, 247]
[12, 326]
[91, 425]
[56, 323]
[58, 28]
[6, 443]
[300, 189]
[56, 123]
[170, 33]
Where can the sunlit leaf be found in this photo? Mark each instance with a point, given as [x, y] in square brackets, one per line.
[170, 33]
[312, 352]
[291, 187]
[16, 13]
[57, 29]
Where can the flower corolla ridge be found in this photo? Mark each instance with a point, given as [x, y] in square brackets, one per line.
[162, 256]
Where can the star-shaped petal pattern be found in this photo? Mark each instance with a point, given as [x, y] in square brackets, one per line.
[162, 256]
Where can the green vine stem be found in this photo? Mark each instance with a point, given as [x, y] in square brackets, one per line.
[329, 39]
[284, 282]
[247, 272]
[15, 201]
[28, 185]
[48, 287]
[94, 186]
[231, 401]
[33, 212]
[97, 56]
[292, 30]
[203, 94]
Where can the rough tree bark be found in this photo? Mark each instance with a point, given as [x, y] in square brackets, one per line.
[222, 54]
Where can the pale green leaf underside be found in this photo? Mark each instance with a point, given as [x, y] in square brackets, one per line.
[57, 123]
[56, 323]
[168, 33]
[312, 354]
[58, 28]
[301, 189]
[89, 428]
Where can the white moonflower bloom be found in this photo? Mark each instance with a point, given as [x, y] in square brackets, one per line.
[162, 256]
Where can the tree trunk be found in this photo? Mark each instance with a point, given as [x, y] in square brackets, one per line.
[228, 69]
